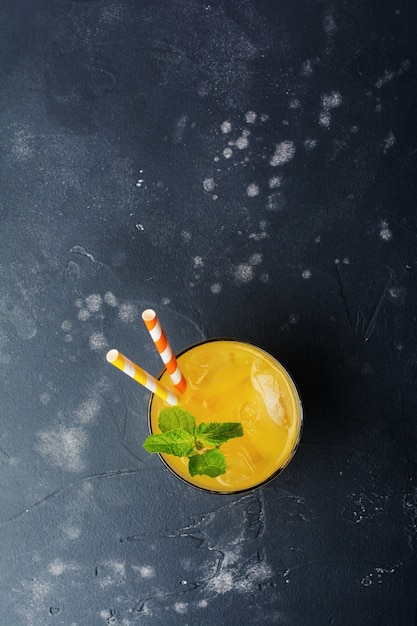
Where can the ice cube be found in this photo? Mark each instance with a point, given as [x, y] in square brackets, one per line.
[199, 368]
[265, 383]
[249, 414]
[239, 467]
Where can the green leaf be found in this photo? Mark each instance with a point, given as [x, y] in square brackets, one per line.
[216, 433]
[212, 463]
[174, 418]
[177, 442]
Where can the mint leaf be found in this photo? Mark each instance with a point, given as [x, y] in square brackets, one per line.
[212, 463]
[216, 433]
[174, 418]
[177, 442]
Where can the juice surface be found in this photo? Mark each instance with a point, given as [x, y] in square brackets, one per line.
[232, 381]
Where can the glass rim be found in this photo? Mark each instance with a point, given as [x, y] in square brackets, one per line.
[296, 441]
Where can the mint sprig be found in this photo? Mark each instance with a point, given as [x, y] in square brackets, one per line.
[212, 463]
[176, 442]
[176, 419]
[180, 436]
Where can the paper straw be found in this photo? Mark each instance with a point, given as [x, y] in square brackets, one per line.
[137, 373]
[161, 342]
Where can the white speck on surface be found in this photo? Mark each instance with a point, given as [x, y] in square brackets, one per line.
[39, 589]
[251, 117]
[140, 227]
[243, 273]
[264, 117]
[325, 119]
[144, 571]
[255, 258]
[202, 604]
[114, 574]
[276, 202]
[64, 447]
[283, 153]
[93, 302]
[264, 277]
[294, 103]
[346, 261]
[118, 567]
[366, 581]
[185, 236]
[128, 312]
[317, 239]
[226, 127]
[180, 607]
[165, 301]
[216, 288]
[87, 411]
[306, 274]
[198, 262]
[110, 299]
[331, 100]
[307, 68]
[227, 153]
[329, 25]
[252, 190]
[386, 78]
[262, 235]
[385, 231]
[45, 398]
[242, 142]
[56, 568]
[108, 615]
[310, 144]
[83, 315]
[389, 141]
[395, 292]
[97, 341]
[209, 184]
[222, 583]
[67, 338]
[78, 303]
[66, 326]
[22, 145]
[72, 532]
[275, 182]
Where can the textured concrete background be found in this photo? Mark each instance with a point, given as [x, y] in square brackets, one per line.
[246, 169]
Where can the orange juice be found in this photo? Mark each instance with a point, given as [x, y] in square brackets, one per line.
[234, 381]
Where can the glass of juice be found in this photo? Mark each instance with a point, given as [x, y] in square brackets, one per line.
[229, 380]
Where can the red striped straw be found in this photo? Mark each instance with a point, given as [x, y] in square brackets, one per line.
[165, 351]
[137, 373]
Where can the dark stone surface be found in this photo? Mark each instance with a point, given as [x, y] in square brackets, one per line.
[247, 169]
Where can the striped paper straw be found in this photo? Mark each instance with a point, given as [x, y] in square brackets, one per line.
[161, 342]
[137, 373]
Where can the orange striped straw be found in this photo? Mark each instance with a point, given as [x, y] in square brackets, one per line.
[137, 373]
[161, 342]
